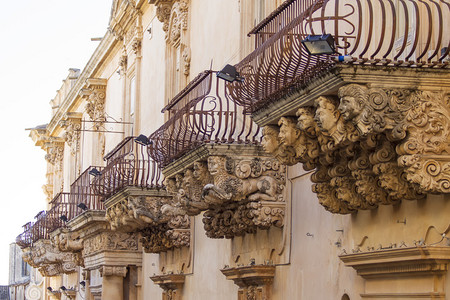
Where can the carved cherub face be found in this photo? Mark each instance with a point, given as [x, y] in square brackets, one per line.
[326, 114]
[288, 131]
[270, 141]
[214, 164]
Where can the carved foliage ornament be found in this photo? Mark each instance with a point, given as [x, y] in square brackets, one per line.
[370, 147]
[95, 96]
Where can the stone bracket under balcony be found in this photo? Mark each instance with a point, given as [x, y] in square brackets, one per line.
[254, 281]
[374, 143]
[238, 187]
[49, 260]
[403, 273]
[140, 211]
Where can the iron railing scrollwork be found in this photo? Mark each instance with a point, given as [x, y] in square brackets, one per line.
[378, 32]
[129, 164]
[202, 113]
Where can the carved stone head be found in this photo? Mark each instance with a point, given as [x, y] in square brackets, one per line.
[327, 115]
[201, 171]
[270, 140]
[215, 164]
[305, 119]
[289, 132]
[353, 98]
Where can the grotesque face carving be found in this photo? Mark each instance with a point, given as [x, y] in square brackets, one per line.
[288, 131]
[200, 171]
[270, 139]
[326, 114]
[352, 99]
[214, 164]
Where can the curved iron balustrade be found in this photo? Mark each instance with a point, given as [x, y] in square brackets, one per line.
[379, 32]
[62, 206]
[129, 164]
[201, 113]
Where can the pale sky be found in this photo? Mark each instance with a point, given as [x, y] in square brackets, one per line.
[40, 41]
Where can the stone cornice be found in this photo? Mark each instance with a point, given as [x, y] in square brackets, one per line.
[388, 274]
[104, 48]
[330, 81]
[399, 261]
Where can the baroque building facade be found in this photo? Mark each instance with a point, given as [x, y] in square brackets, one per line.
[286, 175]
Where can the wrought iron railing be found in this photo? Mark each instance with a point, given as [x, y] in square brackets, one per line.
[278, 19]
[23, 240]
[83, 194]
[129, 164]
[379, 32]
[201, 113]
[63, 208]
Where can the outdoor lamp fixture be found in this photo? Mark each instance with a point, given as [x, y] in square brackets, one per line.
[63, 288]
[94, 172]
[230, 74]
[50, 289]
[83, 283]
[63, 218]
[319, 44]
[83, 206]
[143, 140]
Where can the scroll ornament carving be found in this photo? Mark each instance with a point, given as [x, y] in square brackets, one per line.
[72, 135]
[178, 21]
[246, 194]
[155, 239]
[55, 155]
[95, 106]
[374, 146]
[237, 195]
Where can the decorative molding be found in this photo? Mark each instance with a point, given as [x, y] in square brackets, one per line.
[395, 268]
[370, 147]
[172, 285]
[94, 93]
[55, 152]
[49, 260]
[71, 123]
[254, 282]
[110, 241]
[237, 194]
[119, 271]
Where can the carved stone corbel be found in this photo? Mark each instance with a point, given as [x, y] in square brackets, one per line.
[172, 285]
[425, 152]
[95, 95]
[374, 147]
[71, 123]
[49, 260]
[254, 282]
[55, 152]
